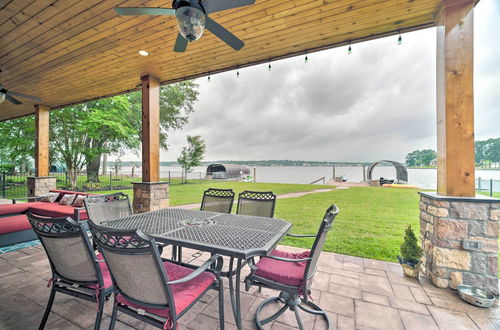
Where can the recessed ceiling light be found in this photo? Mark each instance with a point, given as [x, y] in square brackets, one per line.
[143, 53]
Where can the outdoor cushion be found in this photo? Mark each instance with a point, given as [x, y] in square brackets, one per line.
[79, 201]
[7, 209]
[106, 276]
[55, 210]
[67, 199]
[14, 223]
[288, 273]
[184, 293]
[49, 197]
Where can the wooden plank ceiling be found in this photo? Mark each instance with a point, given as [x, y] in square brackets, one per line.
[68, 51]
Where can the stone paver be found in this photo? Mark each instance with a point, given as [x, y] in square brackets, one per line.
[357, 293]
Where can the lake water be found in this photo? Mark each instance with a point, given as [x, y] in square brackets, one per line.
[423, 178]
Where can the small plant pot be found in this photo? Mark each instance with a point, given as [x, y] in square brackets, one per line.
[410, 269]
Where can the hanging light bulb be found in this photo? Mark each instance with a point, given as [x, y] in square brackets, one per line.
[400, 40]
[306, 59]
[349, 50]
[208, 78]
[237, 72]
[269, 67]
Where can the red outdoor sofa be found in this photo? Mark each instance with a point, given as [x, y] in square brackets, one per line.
[14, 224]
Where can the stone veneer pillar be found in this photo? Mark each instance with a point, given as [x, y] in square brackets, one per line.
[150, 196]
[445, 222]
[39, 186]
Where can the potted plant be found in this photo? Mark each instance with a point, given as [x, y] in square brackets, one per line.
[411, 254]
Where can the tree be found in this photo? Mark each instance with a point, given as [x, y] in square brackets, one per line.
[410, 251]
[18, 141]
[191, 155]
[420, 157]
[81, 133]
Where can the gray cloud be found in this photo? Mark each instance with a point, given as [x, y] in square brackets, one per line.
[377, 103]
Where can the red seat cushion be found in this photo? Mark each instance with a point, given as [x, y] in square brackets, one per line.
[16, 208]
[14, 223]
[106, 276]
[288, 273]
[56, 210]
[184, 293]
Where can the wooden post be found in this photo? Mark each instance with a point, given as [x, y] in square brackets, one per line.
[41, 141]
[455, 99]
[150, 129]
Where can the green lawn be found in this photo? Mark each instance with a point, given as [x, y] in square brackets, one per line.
[192, 192]
[370, 224]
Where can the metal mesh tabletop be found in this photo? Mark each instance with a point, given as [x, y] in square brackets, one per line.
[238, 236]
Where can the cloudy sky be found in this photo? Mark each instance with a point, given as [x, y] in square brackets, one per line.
[377, 103]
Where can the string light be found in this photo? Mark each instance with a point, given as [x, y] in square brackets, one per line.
[349, 50]
[306, 59]
[269, 67]
[400, 40]
[237, 72]
[208, 78]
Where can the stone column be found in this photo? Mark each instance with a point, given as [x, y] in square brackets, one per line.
[459, 236]
[150, 196]
[39, 186]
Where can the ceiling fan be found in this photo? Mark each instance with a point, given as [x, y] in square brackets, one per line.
[9, 96]
[192, 19]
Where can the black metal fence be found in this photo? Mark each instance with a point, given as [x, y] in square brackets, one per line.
[488, 185]
[15, 185]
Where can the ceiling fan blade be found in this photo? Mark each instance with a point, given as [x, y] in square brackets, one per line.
[223, 34]
[180, 44]
[34, 98]
[11, 99]
[212, 6]
[126, 11]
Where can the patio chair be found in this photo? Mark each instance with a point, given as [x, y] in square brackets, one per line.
[107, 207]
[217, 200]
[292, 274]
[76, 269]
[258, 203]
[149, 288]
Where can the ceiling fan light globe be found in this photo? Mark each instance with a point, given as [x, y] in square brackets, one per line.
[191, 22]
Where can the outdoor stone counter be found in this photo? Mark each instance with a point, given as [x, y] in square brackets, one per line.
[150, 196]
[445, 222]
[39, 186]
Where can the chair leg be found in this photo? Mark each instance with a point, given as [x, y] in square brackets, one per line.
[259, 323]
[113, 316]
[221, 305]
[100, 308]
[299, 319]
[48, 308]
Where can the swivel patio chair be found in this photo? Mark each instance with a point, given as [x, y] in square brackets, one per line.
[76, 269]
[149, 288]
[257, 203]
[292, 274]
[107, 207]
[217, 200]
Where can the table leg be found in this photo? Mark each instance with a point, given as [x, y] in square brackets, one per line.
[234, 291]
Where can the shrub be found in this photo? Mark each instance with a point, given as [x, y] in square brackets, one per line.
[410, 251]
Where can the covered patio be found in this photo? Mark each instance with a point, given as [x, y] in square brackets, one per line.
[357, 293]
[69, 52]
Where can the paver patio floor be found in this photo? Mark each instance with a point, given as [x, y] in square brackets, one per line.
[357, 293]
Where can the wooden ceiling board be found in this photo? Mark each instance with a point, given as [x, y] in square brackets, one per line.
[70, 51]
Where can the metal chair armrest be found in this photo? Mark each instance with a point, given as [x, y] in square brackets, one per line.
[300, 235]
[14, 200]
[198, 270]
[77, 212]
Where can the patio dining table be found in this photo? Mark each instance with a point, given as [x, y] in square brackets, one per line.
[239, 237]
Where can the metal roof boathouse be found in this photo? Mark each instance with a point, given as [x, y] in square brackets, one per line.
[227, 171]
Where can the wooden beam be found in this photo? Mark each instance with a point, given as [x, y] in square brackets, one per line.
[150, 129]
[42, 140]
[455, 99]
